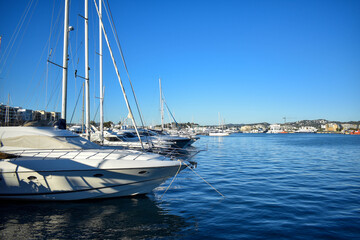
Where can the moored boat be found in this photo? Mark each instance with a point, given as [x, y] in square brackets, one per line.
[51, 164]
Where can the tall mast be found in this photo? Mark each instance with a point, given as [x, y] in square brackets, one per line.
[87, 92]
[161, 106]
[65, 60]
[101, 76]
[119, 78]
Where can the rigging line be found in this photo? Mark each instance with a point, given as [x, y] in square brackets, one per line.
[170, 124]
[119, 78]
[97, 110]
[38, 64]
[16, 32]
[56, 103]
[13, 56]
[177, 125]
[49, 51]
[36, 89]
[92, 23]
[38, 96]
[76, 104]
[123, 59]
[76, 39]
[56, 87]
[72, 61]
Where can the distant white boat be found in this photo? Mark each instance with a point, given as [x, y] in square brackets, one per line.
[219, 134]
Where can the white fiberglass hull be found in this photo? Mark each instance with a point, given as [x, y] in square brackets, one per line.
[39, 178]
[82, 185]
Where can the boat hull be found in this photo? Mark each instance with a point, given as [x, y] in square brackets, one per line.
[84, 184]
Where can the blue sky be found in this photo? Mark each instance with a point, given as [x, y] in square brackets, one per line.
[250, 61]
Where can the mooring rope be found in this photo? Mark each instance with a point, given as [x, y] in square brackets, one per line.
[205, 180]
[172, 179]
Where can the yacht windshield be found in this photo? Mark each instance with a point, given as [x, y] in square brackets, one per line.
[113, 139]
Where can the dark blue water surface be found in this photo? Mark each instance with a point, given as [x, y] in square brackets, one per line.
[285, 186]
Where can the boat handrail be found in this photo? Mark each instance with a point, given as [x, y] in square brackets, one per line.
[34, 152]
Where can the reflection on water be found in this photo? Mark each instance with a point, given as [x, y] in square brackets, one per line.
[133, 218]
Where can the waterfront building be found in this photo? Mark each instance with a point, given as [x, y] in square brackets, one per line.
[349, 126]
[332, 127]
[275, 128]
[307, 129]
[8, 115]
[14, 116]
[246, 128]
[24, 115]
[54, 116]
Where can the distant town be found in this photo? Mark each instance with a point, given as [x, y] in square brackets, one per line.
[15, 116]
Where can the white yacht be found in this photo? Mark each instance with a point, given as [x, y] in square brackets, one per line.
[157, 138]
[126, 140]
[219, 134]
[43, 163]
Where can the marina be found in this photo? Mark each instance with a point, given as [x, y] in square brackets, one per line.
[276, 186]
[96, 140]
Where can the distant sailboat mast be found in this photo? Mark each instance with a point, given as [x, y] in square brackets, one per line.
[161, 106]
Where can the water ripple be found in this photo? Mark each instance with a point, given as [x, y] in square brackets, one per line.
[292, 186]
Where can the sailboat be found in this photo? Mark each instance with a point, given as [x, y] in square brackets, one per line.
[220, 131]
[51, 163]
[177, 141]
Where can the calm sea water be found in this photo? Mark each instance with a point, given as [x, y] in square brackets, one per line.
[285, 186]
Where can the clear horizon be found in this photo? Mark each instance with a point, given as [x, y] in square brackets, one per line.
[250, 61]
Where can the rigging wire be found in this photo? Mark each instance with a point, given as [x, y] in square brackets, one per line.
[15, 35]
[76, 104]
[13, 56]
[123, 58]
[113, 28]
[56, 89]
[29, 94]
[50, 52]
[119, 78]
[177, 125]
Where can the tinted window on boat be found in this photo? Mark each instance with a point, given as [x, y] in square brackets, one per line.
[112, 139]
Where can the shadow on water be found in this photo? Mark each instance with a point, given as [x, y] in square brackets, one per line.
[133, 218]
